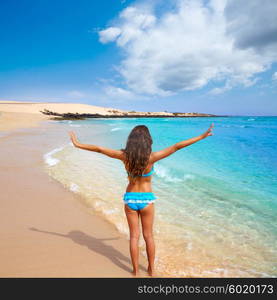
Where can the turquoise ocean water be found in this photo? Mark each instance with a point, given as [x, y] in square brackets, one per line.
[216, 213]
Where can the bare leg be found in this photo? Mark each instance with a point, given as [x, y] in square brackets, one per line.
[147, 219]
[133, 222]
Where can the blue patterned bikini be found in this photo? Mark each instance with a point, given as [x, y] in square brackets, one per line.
[139, 200]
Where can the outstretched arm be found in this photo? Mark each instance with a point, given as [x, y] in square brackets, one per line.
[155, 156]
[118, 154]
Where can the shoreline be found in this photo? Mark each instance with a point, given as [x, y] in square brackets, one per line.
[47, 231]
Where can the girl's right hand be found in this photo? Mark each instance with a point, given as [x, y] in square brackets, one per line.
[73, 137]
[208, 132]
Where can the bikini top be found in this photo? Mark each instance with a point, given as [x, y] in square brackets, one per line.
[147, 174]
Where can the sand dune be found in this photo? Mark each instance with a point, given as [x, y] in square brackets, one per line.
[17, 114]
[36, 107]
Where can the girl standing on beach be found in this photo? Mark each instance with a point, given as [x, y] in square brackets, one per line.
[139, 199]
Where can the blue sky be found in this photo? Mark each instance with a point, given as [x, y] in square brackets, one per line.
[189, 56]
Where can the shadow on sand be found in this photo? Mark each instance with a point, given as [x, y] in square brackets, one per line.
[96, 245]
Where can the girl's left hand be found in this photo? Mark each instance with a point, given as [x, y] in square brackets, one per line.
[72, 137]
[209, 132]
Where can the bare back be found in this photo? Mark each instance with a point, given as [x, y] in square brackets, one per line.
[140, 184]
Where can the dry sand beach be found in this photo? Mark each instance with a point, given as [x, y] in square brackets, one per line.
[46, 230]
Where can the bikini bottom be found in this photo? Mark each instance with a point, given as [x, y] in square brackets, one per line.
[138, 200]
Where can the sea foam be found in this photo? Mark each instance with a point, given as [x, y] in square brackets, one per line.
[163, 173]
[74, 125]
[74, 187]
[116, 129]
[49, 159]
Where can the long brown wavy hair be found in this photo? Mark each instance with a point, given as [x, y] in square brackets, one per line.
[137, 151]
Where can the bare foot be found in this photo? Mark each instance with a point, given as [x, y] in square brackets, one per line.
[151, 272]
[135, 273]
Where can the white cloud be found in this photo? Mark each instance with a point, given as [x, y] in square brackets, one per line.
[118, 93]
[76, 94]
[220, 90]
[193, 44]
[110, 34]
[274, 76]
